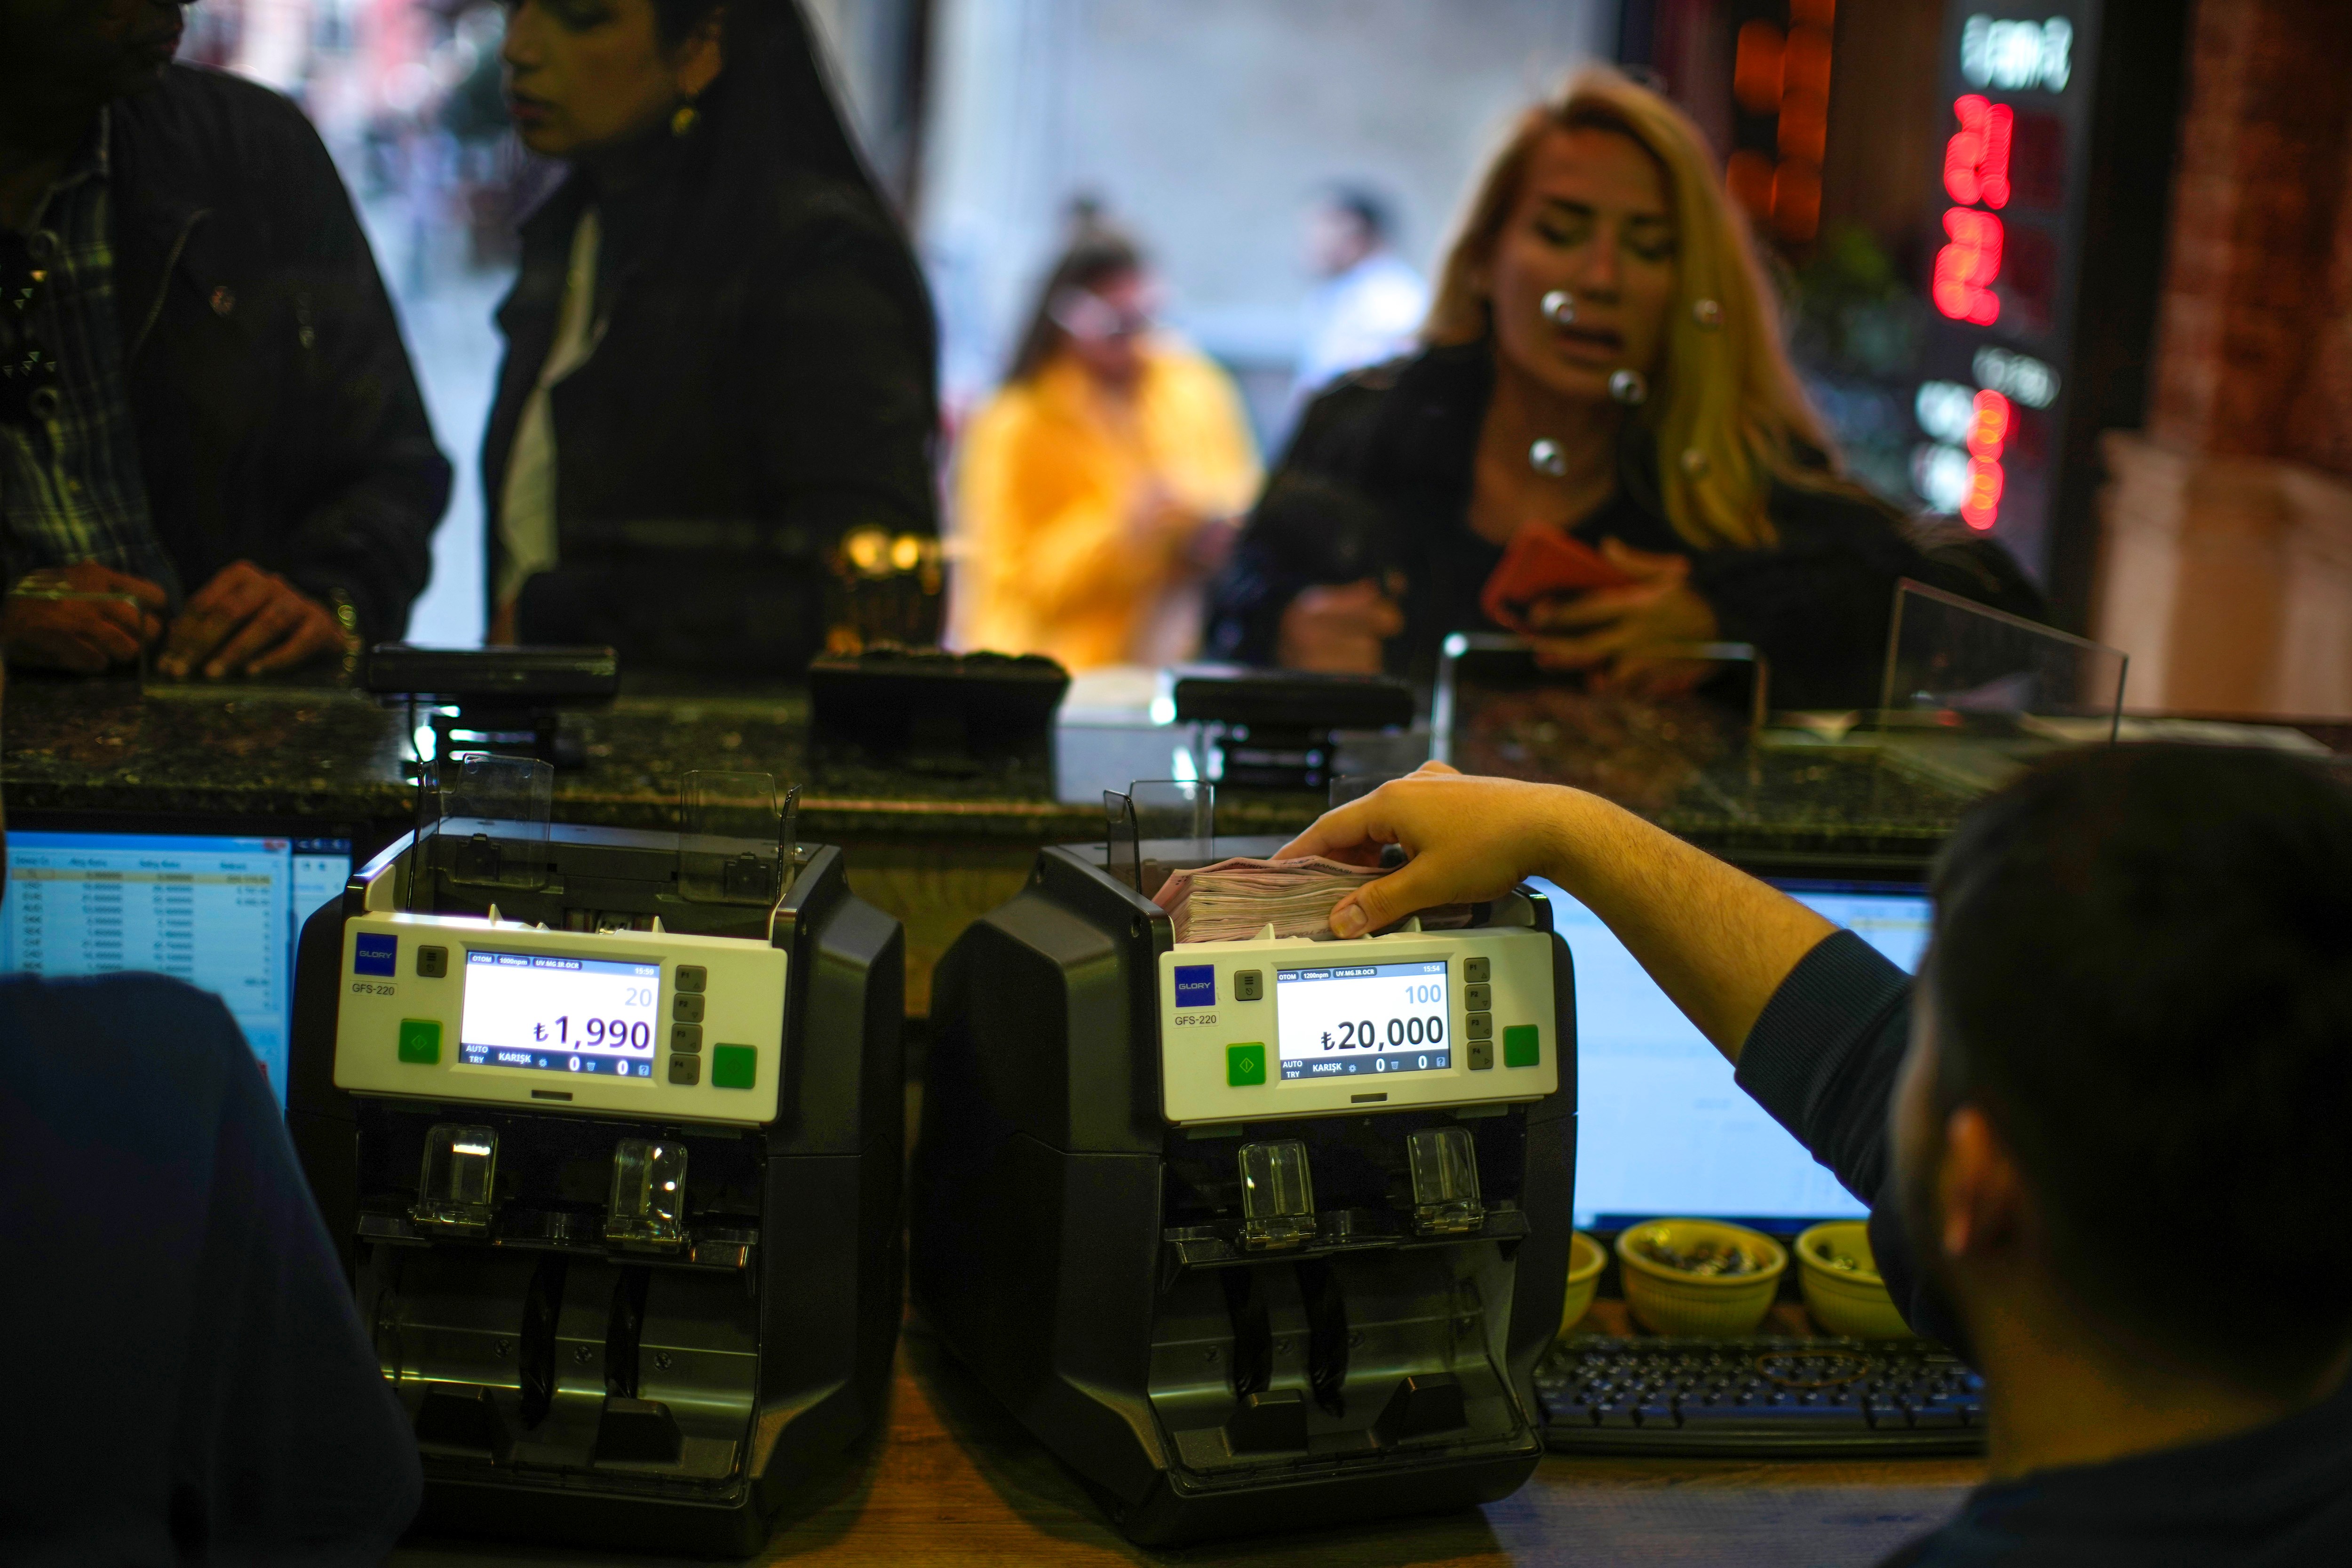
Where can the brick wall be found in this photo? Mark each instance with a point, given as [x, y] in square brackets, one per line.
[2254, 341]
[2226, 557]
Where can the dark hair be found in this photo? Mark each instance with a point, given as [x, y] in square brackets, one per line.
[772, 132]
[773, 104]
[1365, 206]
[1097, 253]
[674, 20]
[2142, 974]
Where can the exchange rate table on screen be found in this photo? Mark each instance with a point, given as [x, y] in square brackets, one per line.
[218, 911]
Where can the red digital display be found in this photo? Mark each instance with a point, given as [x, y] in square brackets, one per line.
[2005, 176]
[1966, 267]
[1982, 505]
[1976, 160]
[1989, 428]
[1989, 425]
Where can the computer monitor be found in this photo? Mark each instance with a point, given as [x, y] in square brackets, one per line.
[1662, 1130]
[220, 911]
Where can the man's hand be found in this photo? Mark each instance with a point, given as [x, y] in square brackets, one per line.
[1471, 839]
[1337, 629]
[1714, 939]
[85, 635]
[248, 621]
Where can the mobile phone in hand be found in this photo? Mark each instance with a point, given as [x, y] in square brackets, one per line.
[1544, 562]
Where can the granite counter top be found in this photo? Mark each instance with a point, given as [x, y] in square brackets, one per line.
[263, 752]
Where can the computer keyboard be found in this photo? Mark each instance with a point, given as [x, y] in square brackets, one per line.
[1604, 1394]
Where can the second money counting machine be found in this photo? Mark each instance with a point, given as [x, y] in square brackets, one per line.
[609, 1125]
[1252, 1234]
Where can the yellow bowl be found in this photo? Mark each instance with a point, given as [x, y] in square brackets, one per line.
[1585, 1262]
[1852, 1302]
[1715, 1306]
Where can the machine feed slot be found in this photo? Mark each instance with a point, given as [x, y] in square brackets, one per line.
[1278, 1196]
[455, 1188]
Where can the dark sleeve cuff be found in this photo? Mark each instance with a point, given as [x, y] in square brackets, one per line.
[1822, 1058]
[1823, 1061]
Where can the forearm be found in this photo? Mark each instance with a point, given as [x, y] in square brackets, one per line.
[1716, 940]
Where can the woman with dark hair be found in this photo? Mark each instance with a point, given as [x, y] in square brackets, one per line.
[1095, 490]
[719, 350]
[1602, 445]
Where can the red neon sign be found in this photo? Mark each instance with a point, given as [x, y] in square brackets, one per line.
[1966, 267]
[1976, 160]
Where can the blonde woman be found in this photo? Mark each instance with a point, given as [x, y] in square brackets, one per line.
[1604, 359]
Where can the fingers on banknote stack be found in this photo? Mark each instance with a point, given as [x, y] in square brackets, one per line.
[1240, 898]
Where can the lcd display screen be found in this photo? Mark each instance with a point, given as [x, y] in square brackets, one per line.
[1343, 1019]
[561, 1014]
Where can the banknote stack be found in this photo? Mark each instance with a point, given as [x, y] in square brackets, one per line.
[1240, 898]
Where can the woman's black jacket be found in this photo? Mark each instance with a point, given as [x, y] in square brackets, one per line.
[764, 383]
[1378, 481]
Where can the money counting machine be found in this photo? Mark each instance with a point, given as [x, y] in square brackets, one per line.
[1252, 1235]
[609, 1124]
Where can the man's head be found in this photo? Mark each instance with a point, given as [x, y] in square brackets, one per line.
[2129, 1094]
[1346, 224]
[60, 59]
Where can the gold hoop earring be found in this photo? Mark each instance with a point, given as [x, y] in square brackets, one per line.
[683, 122]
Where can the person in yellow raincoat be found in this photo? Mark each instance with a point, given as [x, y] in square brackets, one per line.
[1096, 490]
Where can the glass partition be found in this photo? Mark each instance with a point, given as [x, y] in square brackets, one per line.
[1638, 740]
[1954, 665]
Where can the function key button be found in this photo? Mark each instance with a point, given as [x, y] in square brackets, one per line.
[433, 962]
[691, 978]
[420, 1041]
[686, 1009]
[687, 1038]
[1479, 1025]
[1481, 1055]
[686, 1069]
[1476, 970]
[734, 1066]
[1478, 998]
[1249, 985]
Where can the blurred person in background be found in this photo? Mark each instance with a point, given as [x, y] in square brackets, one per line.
[1604, 359]
[719, 351]
[206, 412]
[1370, 302]
[1096, 490]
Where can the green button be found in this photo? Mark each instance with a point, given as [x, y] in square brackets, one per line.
[420, 1040]
[1522, 1046]
[734, 1066]
[1245, 1065]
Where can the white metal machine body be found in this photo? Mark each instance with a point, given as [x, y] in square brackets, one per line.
[651, 1025]
[1281, 1026]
